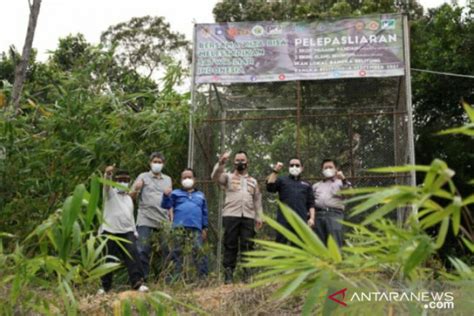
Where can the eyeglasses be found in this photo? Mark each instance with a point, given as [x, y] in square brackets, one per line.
[295, 165]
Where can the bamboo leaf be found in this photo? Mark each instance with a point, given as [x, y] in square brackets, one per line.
[418, 256]
[93, 202]
[443, 230]
[334, 250]
[397, 169]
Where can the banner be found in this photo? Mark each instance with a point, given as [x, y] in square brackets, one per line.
[370, 46]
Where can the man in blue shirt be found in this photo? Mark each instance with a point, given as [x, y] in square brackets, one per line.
[188, 213]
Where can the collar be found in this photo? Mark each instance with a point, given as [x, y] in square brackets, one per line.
[157, 176]
[297, 178]
[327, 179]
[235, 173]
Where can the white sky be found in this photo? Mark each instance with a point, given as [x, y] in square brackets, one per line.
[59, 18]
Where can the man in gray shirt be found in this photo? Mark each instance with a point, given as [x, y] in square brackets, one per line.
[149, 187]
[329, 203]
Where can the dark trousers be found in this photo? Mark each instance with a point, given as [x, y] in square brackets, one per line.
[144, 245]
[185, 239]
[237, 232]
[131, 260]
[327, 223]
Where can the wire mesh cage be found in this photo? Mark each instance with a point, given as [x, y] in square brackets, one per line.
[361, 123]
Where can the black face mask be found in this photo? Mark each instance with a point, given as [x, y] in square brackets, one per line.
[240, 166]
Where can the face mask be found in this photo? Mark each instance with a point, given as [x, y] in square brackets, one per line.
[295, 171]
[329, 172]
[240, 166]
[120, 190]
[187, 183]
[156, 167]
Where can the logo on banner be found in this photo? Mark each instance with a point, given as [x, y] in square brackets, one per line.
[258, 30]
[359, 26]
[219, 31]
[206, 32]
[388, 24]
[373, 26]
[234, 31]
[274, 29]
[281, 77]
[362, 73]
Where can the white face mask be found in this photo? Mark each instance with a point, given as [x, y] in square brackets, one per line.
[156, 167]
[187, 183]
[295, 171]
[329, 172]
[125, 184]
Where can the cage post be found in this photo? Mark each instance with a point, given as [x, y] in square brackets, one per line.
[193, 104]
[298, 118]
[408, 103]
[221, 193]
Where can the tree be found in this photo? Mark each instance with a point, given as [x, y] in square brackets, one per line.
[144, 44]
[436, 98]
[20, 71]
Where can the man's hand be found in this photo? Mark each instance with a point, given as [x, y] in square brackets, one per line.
[311, 222]
[340, 175]
[167, 191]
[224, 157]
[278, 167]
[138, 185]
[204, 234]
[109, 170]
[258, 224]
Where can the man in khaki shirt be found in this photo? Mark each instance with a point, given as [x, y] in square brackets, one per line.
[242, 209]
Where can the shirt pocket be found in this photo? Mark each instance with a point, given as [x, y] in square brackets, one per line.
[234, 185]
[251, 187]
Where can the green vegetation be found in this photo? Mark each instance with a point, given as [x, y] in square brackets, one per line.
[88, 106]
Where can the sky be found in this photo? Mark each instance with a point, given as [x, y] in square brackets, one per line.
[59, 18]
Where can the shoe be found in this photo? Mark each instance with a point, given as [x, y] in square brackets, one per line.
[143, 288]
[101, 291]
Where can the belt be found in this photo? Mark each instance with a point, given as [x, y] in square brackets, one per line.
[328, 209]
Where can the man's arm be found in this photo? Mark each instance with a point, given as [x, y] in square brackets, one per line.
[205, 222]
[171, 214]
[257, 202]
[137, 187]
[311, 206]
[345, 183]
[312, 217]
[272, 179]
[218, 174]
[109, 171]
[168, 200]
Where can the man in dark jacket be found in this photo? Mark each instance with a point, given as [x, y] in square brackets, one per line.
[294, 192]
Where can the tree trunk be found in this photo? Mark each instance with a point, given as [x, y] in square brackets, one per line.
[20, 71]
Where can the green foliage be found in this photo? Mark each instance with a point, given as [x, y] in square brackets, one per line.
[436, 98]
[80, 111]
[242, 10]
[378, 251]
[60, 249]
[78, 118]
[144, 43]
